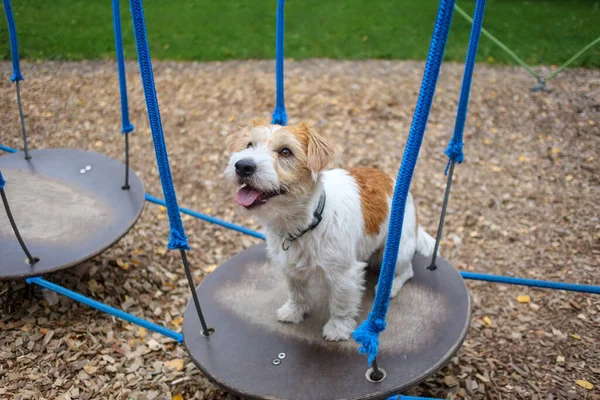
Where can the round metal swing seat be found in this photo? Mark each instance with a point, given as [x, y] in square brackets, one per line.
[254, 356]
[68, 205]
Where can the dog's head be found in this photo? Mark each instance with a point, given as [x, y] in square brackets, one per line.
[274, 166]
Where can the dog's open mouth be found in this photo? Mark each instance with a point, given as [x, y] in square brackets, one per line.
[248, 197]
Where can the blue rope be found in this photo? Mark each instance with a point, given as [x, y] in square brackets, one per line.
[279, 114]
[14, 44]
[210, 219]
[106, 309]
[573, 287]
[177, 238]
[367, 334]
[8, 149]
[127, 127]
[455, 147]
[2, 181]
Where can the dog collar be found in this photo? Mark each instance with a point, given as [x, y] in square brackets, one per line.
[317, 218]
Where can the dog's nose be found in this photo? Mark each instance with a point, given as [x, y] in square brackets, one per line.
[245, 167]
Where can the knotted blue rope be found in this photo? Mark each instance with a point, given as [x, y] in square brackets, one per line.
[455, 146]
[14, 44]
[367, 334]
[177, 238]
[125, 123]
[279, 114]
[2, 181]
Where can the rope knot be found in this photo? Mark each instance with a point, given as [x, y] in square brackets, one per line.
[178, 240]
[127, 128]
[2, 181]
[279, 116]
[367, 335]
[17, 77]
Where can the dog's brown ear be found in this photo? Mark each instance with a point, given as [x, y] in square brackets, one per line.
[236, 140]
[320, 151]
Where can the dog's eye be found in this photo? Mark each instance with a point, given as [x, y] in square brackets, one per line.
[285, 152]
[249, 145]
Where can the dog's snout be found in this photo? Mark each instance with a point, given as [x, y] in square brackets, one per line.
[245, 167]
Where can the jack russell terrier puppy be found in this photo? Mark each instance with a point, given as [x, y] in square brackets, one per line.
[328, 222]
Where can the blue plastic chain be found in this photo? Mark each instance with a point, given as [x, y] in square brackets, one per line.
[279, 114]
[126, 125]
[177, 237]
[106, 309]
[2, 181]
[14, 44]
[367, 334]
[455, 147]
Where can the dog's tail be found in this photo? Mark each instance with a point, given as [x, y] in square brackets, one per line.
[425, 242]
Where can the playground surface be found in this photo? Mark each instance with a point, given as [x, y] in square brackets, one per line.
[524, 204]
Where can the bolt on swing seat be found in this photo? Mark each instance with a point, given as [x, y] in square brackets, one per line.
[428, 322]
[69, 206]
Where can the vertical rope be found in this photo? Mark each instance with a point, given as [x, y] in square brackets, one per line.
[279, 114]
[455, 147]
[126, 126]
[177, 238]
[367, 334]
[16, 64]
[14, 44]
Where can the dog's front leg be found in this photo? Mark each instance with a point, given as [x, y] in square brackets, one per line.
[298, 301]
[346, 290]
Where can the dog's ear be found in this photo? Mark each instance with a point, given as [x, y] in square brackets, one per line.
[237, 140]
[320, 151]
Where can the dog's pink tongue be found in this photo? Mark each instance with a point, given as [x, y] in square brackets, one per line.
[246, 196]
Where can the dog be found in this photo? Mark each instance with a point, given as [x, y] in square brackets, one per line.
[328, 222]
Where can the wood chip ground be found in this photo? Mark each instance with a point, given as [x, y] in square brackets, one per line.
[525, 203]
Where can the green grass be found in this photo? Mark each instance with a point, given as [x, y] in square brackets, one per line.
[539, 31]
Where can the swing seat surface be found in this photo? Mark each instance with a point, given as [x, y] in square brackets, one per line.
[64, 216]
[427, 323]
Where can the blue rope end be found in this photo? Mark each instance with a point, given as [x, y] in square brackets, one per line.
[279, 117]
[17, 77]
[455, 152]
[2, 181]
[127, 128]
[178, 241]
[367, 335]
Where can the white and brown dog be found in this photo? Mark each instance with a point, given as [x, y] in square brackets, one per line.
[328, 222]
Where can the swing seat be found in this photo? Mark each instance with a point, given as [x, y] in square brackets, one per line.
[68, 205]
[427, 323]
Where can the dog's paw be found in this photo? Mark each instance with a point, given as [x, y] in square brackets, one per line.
[290, 312]
[337, 329]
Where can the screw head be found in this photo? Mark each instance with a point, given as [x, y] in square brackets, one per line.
[276, 361]
[82, 171]
[281, 356]
[88, 167]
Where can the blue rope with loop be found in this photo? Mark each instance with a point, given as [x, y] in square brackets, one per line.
[279, 114]
[177, 237]
[126, 125]
[455, 146]
[14, 44]
[367, 334]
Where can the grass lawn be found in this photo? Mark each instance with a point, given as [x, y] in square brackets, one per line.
[539, 31]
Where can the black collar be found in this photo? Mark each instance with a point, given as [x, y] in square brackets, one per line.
[317, 218]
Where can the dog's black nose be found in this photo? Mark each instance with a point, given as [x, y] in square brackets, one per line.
[245, 167]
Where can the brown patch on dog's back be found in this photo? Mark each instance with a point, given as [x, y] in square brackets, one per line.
[375, 188]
